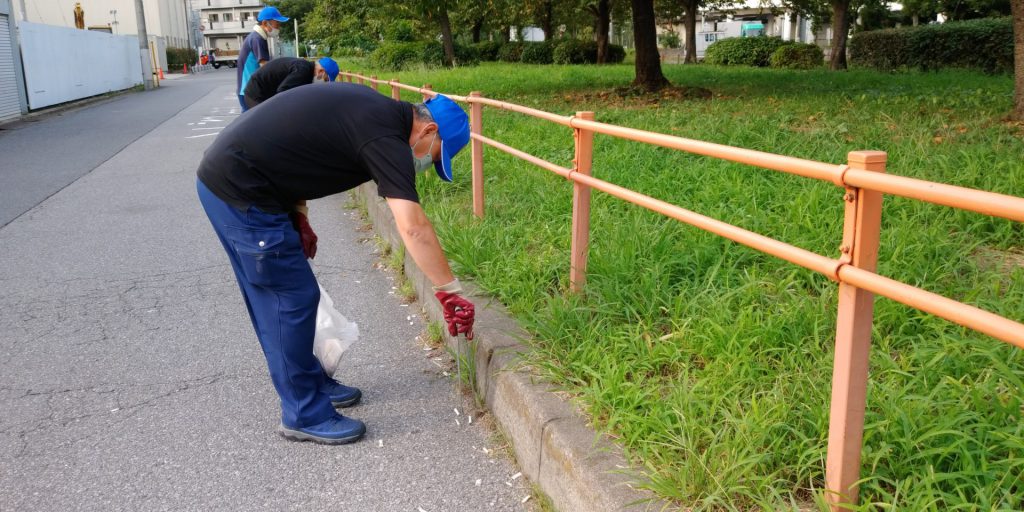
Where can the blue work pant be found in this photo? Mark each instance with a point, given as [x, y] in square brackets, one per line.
[281, 294]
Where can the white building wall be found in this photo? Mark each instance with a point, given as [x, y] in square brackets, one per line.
[164, 18]
[65, 64]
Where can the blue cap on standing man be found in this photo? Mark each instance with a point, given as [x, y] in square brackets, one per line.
[271, 13]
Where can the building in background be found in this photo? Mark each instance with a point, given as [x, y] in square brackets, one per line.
[225, 23]
[167, 21]
[750, 18]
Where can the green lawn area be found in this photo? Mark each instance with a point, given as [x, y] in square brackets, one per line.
[711, 362]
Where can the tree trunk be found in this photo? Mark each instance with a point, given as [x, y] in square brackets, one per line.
[915, 19]
[840, 28]
[446, 37]
[546, 21]
[506, 33]
[645, 38]
[478, 27]
[690, 22]
[1017, 8]
[604, 18]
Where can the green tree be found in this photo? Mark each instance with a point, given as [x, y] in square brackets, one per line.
[1018, 59]
[602, 12]
[645, 38]
[296, 10]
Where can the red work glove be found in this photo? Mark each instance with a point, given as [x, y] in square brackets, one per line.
[306, 234]
[458, 313]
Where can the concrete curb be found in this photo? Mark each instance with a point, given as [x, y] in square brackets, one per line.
[577, 469]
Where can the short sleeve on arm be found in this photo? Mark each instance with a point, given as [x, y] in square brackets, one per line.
[262, 50]
[389, 162]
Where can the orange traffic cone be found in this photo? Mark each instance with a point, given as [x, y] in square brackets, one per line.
[184, 69]
[160, 72]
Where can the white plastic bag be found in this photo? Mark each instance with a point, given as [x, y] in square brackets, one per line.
[334, 334]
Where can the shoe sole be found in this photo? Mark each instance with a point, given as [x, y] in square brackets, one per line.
[298, 435]
[347, 403]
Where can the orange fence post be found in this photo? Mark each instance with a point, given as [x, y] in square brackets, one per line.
[396, 93]
[476, 119]
[580, 247]
[429, 88]
[853, 338]
[373, 81]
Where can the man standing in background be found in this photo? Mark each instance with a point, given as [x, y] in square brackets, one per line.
[255, 52]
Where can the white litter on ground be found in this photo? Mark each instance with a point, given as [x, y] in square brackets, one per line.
[527, 498]
[478, 482]
[516, 476]
[456, 411]
[380, 443]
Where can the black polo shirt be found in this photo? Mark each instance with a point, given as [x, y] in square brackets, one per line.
[276, 76]
[311, 142]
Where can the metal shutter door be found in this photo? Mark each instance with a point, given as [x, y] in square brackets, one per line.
[9, 104]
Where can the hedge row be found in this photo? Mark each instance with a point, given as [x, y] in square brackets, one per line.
[985, 44]
[397, 55]
[179, 57]
[566, 51]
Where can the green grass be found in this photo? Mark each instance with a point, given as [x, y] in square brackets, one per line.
[711, 362]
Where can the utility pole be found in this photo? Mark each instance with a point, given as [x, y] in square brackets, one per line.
[188, 28]
[147, 63]
[296, 20]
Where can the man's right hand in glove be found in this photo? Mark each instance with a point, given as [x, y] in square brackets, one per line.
[459, 313]
[307, 237]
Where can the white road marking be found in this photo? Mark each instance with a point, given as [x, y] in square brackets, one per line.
[202, 135]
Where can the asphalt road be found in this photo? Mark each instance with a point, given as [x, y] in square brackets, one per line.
[131, 377]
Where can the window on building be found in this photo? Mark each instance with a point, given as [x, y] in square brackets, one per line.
[214, 18]
[246, 16]
[227, 16]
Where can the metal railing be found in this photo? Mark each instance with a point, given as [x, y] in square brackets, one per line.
[865, 182]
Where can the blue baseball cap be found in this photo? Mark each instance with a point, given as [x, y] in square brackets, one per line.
[452, 127]
[271, 13]
[330, 67]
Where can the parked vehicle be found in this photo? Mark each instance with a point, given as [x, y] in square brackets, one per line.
[220, 58]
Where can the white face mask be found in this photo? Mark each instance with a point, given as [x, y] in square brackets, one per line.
[422, 163]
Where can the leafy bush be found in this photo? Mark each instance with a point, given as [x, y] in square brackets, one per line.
[488, 50]
[797, 56]
[395, 55]
[985, 44]
[616, 54]
[400, 31]
[538, 52]
[511, 52]
[670, 39]
[575, 51]
[743, 51]
[433, 55]
[179, 57]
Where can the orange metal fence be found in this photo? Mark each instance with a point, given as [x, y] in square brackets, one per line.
[865, 182]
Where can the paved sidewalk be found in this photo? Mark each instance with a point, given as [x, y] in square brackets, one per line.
[132, 379]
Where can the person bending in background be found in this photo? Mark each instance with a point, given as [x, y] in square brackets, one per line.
[285, 73]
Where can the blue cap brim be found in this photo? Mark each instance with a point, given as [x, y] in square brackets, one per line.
[444, 165]
[282, 19]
